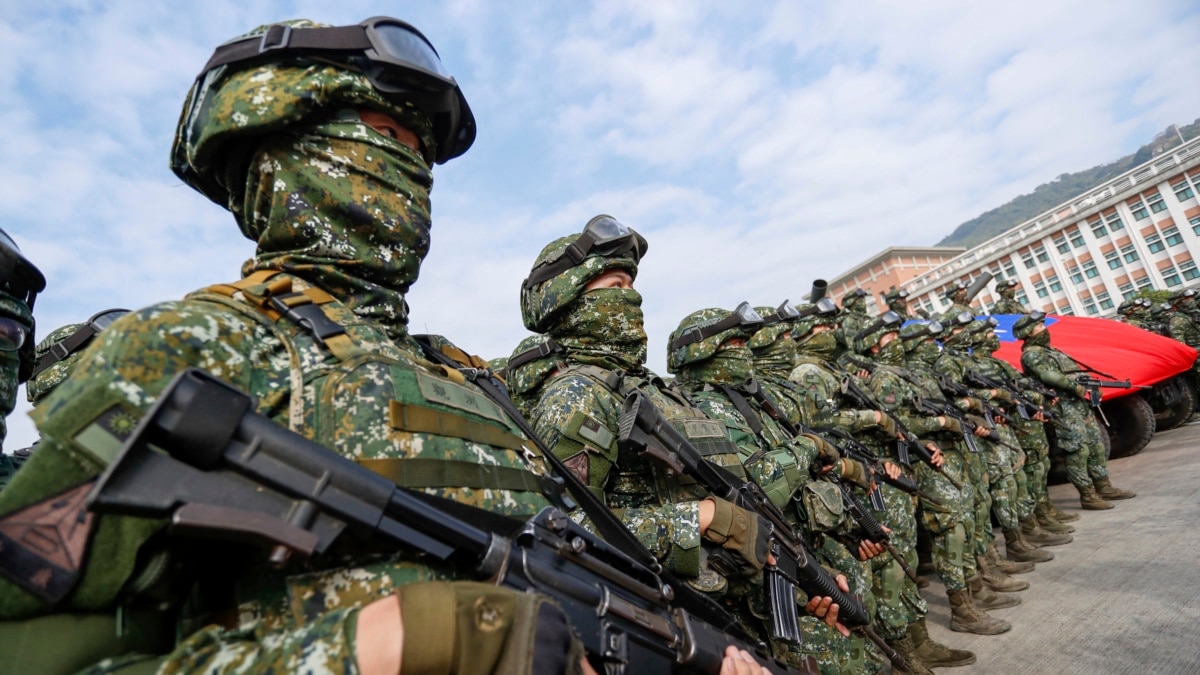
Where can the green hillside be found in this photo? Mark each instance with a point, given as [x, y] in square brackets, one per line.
[1061, 189]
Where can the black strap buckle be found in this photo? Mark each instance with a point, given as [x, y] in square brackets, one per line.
[310, 317]
[276, 37]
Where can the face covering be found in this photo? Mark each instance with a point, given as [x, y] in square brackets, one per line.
[1041, 339]
[604, 327]
[729, 365]
[345, 208]
[821, 345]
[926, 353]
[892, 353]
[990, 344]
[776, 359]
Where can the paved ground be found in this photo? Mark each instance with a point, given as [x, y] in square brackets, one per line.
[1124, 597]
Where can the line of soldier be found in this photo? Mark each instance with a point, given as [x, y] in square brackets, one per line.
[320, 142]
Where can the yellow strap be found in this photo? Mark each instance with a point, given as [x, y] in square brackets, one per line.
[463, 358]
[422, 419]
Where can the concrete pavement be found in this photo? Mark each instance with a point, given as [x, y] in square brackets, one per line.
[1124, 596]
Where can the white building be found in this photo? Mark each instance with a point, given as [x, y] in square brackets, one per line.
[1138, 230]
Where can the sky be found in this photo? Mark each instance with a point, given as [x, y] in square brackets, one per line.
[757, 146]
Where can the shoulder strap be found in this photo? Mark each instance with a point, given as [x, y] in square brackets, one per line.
[604, 519]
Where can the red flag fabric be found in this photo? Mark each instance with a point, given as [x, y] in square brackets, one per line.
[1113, 347]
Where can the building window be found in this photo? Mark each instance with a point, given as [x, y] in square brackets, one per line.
[1042, 256]
[1090, 271]
[1027, 258]
[1089, 306]
[1114, 221]
[1172, 236]
[1076, 275]
[1065, 309]
[1114, 260]
[1183, 191]
[1127, 291]
[1098, 230]
[1195, 223]
[1156, 203]
[1055, 284]
[1105, 301]
[1022, 298]
[1139, 210]
[1060, 242]
[1171, 277]
[1145, 282]
[1077, 239]
[1189, 270]
[1010, 270]
[1129, 254]
[1040, 287]
[1154, 243]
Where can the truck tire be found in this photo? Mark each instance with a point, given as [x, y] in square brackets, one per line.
[1131, 424]
[1178, 412]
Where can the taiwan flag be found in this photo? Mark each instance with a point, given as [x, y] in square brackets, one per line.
[1119, 350]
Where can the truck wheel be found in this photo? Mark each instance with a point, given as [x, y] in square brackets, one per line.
[1176, 413]
[1131, 424]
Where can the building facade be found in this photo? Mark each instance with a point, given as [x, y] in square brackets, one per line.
[1083, 257]
[891, 268]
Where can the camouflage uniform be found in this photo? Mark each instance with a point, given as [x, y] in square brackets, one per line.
[20, 282]
[532, 363]
[719, 379]
[1007, 304]
[340, 214]
[852, 319]
[1079, 434]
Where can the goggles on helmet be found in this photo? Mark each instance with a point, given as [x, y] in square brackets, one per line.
[79, 339]
[399, 61]
[825, 307]
[603, 235]
[1036, 315]
[743, 317]
[12, 334]
[18, 277]
[785, 312]
[888, 319]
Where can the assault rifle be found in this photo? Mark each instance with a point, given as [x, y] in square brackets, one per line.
[1095, 397]
[990, 412]
[910, 442]
[204, 460]
[1026, 408]
[644, 430]
[850, 447]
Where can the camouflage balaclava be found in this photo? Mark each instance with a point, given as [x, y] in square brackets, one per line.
[527, 370]
[710, 360]
[854, 301]
[1007, 289]
[989, 342]
[821, 344]
[892, 353]
[16, 332]
[920, 343]
[603, 327]
[773, 348]
[1023, 329]
[325, 196]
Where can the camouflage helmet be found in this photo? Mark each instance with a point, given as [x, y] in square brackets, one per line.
[702, 333]
[1125, 307]
[824, 312]
[776, 322]
[563, 269]
[869, 336]
[955, 288]
[854, 300]
[58, 353]
[960, 328]
[917, 330]
[1025, 325]
[1007, 289]
[280, 75]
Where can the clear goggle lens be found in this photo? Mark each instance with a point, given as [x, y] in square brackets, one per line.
[12, 335]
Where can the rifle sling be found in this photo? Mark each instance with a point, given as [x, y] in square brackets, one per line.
[419, 472]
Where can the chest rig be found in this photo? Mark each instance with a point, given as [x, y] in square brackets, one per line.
[635, 481]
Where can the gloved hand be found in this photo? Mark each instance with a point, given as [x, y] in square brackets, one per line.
[1002, 395]
[951, 424]
[742, 531]
[887, 424]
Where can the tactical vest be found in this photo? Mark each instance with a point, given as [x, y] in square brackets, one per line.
[381, 403]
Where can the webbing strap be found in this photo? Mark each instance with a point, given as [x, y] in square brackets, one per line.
[422, 419]
[423, 472]
[743, 406]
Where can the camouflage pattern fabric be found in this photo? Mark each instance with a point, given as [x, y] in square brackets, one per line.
[602, 327]
[541, 304]
[526, 380]
[1182, 328]
[334, 205]
[41, 384]
[11, 366]
[1008, 306]
[1079, 436]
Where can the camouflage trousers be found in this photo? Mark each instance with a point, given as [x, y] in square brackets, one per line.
[898, 602]
[982, 527]
[945, 520]
[1079, 439]
[1023, 501]
[861, 654]
[1032, 435]
[1001, 483]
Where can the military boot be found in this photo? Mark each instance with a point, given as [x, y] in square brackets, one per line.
[1004, 565]
[996, 580]
[1047, 520]
[1105, 489]
[904, 647]
[965, 617]
[1034, 534]
[986, 598]
[1091, 501]
[1016, 548]
[935, 654]
[1060, 516]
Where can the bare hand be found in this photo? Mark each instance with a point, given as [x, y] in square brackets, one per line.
[937, 459]
[868, 549]
[982, 431]
[740, 662]
[1041, 416]
[893, 471]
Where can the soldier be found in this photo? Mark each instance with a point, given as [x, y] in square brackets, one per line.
[709, 355]
[851, 319]
[1139, 314]
[956, 294]
[580, 294]
[1007, 304]
[897, 301]
[325, 163]
[535, 360]
[1079, 436]
[22, 281]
